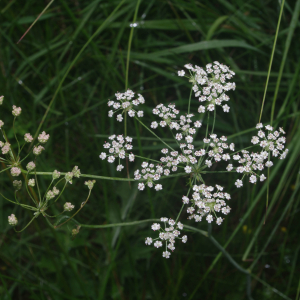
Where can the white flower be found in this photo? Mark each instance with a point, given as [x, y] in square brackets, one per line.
[262, 177]
[201, 109]
[12, 220]
[181, 73]
[209, 218]
[148, 241]
[253, 179]
[140, 113]
[226, 108]
[141, 186]
[166, 254]
[158, 187]
[102, 155]
[269, 164]
[229, 167]
[155, 226]
[188, 169]
[239, 183]
[154, 125]
[119, 118]
[184, 239]
[120, 167]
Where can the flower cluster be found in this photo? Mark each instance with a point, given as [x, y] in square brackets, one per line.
[68, 206]
[168, 235]
[149, 173]
[117, 149]
[126, 104]
[210, 85]
[270, 141]
[206, 202]
[12, 220]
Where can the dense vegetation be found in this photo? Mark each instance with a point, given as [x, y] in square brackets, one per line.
[62, 73]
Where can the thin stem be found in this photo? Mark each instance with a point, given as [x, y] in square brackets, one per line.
[82, 205]
[154, 134]
[213, 127]
[26, 184]
[26, 225]
[16, 136]
[120, 224]
[190, 100]
[271, 60]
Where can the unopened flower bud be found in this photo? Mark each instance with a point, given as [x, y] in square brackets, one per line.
[31, 182]
[43, 137]
[5, 148]
[17, 184]
[28, 138]
[15, 171]
[76, 172]
[49, 195]
[38, 150]
[55, 175]
[55, 191]
[90, 183]
[16, 111]
[1, 100]
[12, 220]
[30, 166]
[69, 177]
[68, 206]
[1, 123]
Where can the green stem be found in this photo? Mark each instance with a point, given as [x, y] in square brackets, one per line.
[190, 100]
[271, 60]
[82, 205]
[154, 134]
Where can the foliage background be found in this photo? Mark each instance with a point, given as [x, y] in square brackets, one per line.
[41, 263]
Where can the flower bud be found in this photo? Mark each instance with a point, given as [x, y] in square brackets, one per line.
[31, 182]
[16, 111]
[12, 220]
[55, 174]
[17, 184]
[76, 172]
[90, 183]
[68, 206]
[30, 166]
[15, 171]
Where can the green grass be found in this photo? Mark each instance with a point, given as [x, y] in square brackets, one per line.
[62, 73]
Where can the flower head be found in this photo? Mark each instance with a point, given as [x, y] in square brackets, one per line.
[16, 111]
[12, 220]
[68, 206]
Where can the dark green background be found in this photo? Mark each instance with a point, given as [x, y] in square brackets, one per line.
[41, 263]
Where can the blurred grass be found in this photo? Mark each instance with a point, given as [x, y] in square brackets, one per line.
[41, 263]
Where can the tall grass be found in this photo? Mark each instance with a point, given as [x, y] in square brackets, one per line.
[63, 71]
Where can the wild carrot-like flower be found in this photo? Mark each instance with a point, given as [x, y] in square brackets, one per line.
[167, 236]
[117, 149]
[126, 104]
